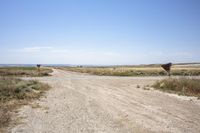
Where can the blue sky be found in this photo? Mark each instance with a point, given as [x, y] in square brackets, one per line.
[103, 32]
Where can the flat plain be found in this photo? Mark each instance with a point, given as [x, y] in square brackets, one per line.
[87, 103]
[139, 70]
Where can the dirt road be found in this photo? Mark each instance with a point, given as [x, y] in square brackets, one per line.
[97, 104]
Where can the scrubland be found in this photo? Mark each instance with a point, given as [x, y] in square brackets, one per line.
[15, 92]
[24, 71]
[148, 70]
[181, 86]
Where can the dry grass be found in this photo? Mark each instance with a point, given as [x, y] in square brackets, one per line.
[135, 71]
[24, 71]
[14, 93]
[182, 86]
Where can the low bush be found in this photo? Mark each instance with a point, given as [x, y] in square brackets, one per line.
[15, 92]
[182, 86]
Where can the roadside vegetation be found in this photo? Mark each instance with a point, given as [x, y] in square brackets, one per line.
[24, 71]
[182, 86]
[15, 93]
[153, 70]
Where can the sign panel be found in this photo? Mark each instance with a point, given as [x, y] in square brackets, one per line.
[167, 67]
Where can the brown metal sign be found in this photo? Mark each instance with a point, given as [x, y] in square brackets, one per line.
[38, 65]
[167, 67]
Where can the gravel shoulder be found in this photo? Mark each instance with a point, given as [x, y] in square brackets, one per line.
[105, 104]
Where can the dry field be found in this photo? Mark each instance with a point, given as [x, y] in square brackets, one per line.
[148, 70]
[24, 71]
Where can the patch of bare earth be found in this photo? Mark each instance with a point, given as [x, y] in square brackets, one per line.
[86, 103]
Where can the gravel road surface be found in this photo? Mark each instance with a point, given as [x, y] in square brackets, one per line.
[81, 103]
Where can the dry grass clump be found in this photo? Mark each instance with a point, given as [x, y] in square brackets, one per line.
[24, 71]
[186, 72]
[182, 86]
[15, 92]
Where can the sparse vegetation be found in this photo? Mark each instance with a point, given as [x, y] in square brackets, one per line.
[14, 93]
[135, 71]
[182, 86]
[24, 71]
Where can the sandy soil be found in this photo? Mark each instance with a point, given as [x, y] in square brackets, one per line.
[98, 104]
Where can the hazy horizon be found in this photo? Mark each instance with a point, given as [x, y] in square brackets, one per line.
[101, 32]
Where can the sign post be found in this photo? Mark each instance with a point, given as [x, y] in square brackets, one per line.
[38, 67]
